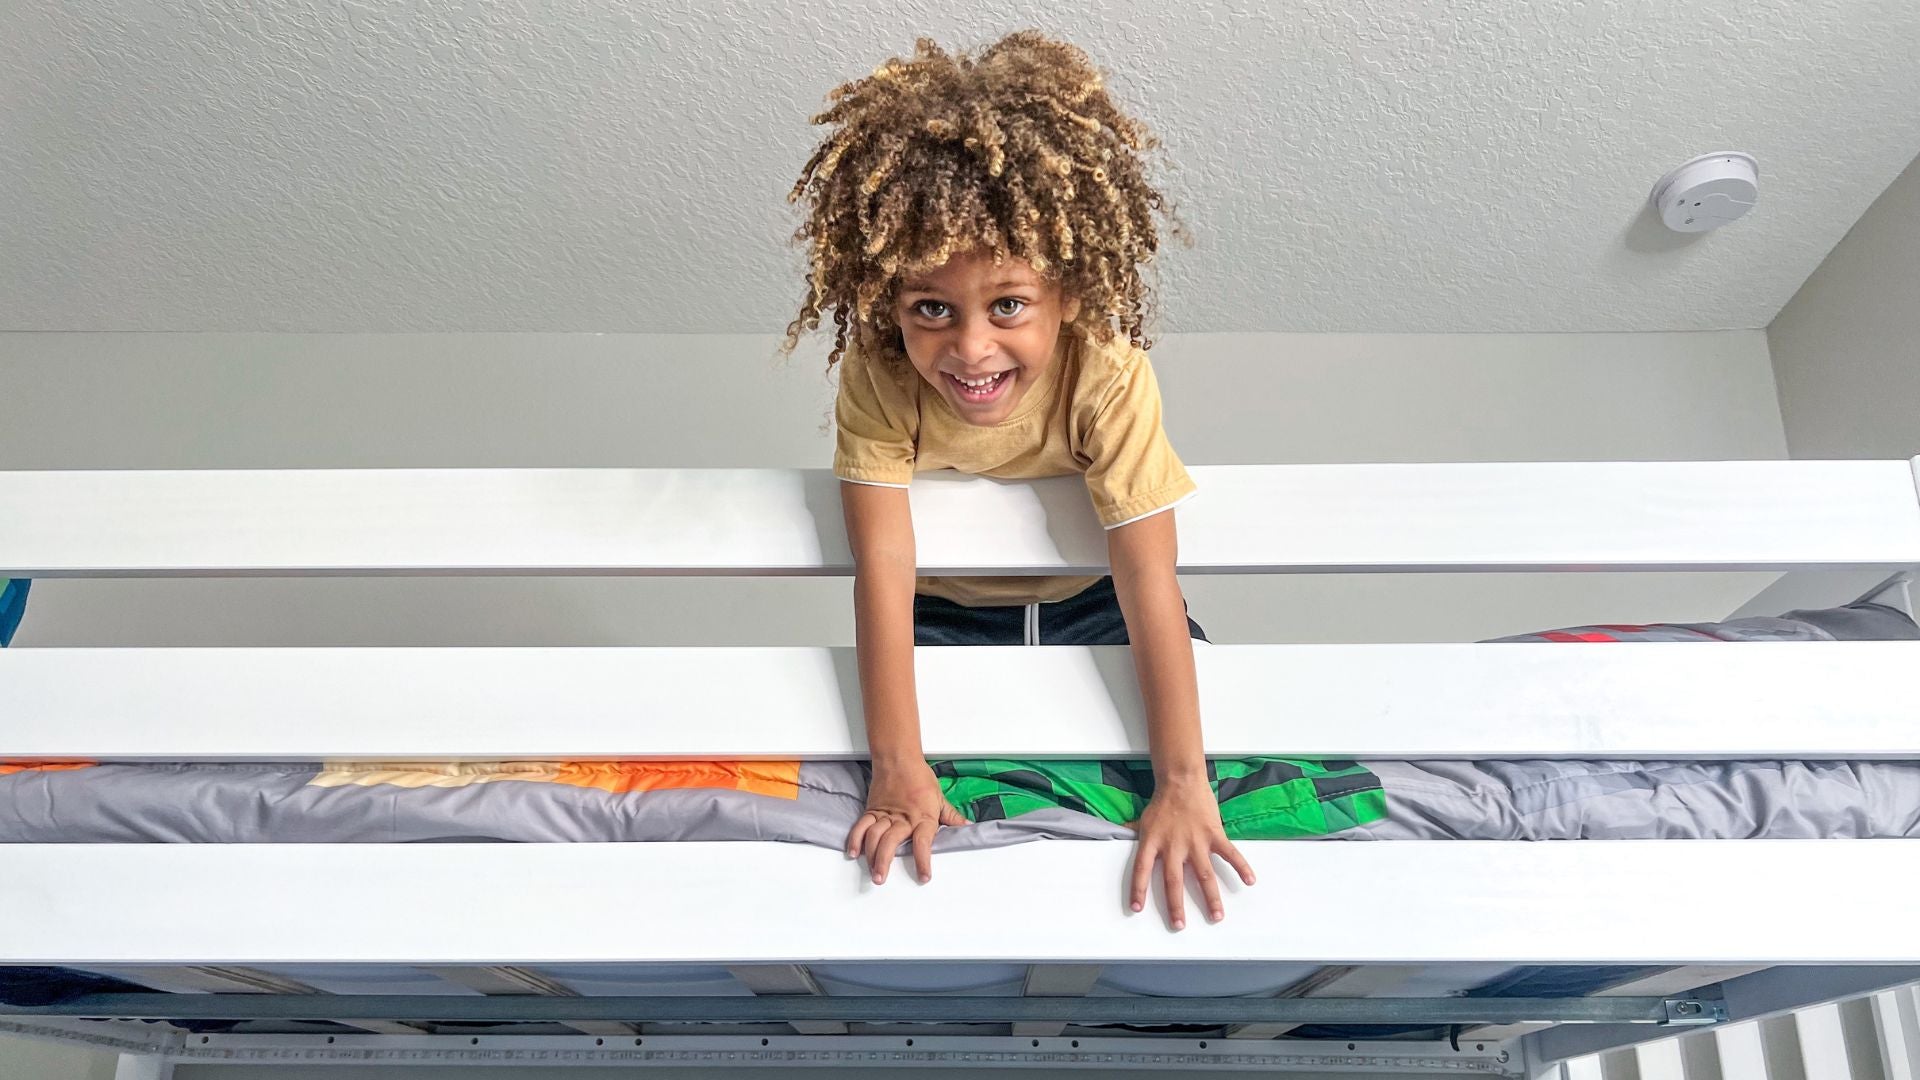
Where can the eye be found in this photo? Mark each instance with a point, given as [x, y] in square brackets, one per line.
[922, 309]
[999, 308]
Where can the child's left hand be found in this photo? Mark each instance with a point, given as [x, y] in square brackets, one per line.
[1181, 827]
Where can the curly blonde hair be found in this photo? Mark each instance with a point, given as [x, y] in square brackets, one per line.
[1017, 150]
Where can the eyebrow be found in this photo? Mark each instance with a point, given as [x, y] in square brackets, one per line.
[1009, 283]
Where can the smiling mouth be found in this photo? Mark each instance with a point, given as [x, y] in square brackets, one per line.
[984, 393]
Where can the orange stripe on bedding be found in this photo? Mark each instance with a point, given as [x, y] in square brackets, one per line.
[778, 779]
[7, 767]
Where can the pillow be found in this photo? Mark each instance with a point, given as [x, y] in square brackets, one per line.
[1860, 621]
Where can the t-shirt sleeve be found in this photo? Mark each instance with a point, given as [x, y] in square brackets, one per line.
[876, 425]
[1133, 471]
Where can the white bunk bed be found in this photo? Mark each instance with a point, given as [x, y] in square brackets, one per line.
[475, 932]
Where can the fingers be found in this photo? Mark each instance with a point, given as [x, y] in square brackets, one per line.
[1142, 869]
[1209, 884]
[870, 842]
[1176, 896]
[857, 836]
[884, 844]
[1227, 851]
[1173, 867]
[1175, 849]
[923, 850]
[878, 834]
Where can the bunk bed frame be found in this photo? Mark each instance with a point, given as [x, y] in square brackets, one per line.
[1735, 928]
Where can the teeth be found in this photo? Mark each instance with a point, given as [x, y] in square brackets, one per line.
[988, 381]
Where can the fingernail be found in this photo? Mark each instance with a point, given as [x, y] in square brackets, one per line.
[924, 879]
[1136, 906]
[1218, 915]
[1179, 925]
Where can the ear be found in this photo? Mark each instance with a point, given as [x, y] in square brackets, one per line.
[1069, 309]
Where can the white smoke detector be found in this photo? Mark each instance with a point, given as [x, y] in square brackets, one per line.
[1707, 192]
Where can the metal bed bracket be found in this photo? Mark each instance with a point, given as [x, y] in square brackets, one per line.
[1692, 1010]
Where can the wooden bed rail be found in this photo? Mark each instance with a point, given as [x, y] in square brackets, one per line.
[1557, 516]
[1405, 902]
[1810, 700]
[1649, 701]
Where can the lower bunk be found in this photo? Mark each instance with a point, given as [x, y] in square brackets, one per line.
[244, 904]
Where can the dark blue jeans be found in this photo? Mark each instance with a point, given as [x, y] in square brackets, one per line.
[1089, 617]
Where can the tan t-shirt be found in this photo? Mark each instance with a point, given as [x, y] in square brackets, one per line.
[1098, 413]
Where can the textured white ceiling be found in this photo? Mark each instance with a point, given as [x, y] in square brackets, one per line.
[621, 165]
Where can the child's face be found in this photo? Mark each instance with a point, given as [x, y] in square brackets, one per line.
[970, 320]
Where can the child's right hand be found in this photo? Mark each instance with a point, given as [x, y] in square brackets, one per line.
[903, 802]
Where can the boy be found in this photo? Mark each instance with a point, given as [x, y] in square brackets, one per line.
[976, 229]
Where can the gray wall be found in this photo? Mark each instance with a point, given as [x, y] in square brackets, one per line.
[1846, 348]
[137, 400]
[1846, 356]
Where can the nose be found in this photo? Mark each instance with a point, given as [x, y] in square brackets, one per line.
[974, 346]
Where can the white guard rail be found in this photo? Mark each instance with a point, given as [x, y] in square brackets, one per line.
[1591, 902]
[1698, 515]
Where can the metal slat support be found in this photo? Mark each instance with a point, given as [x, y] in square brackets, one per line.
[776, 980]
[1055, 980]
[905, 1009]
[841, 1055]
[1336, 980]
[212, 979]
[1671, 982]
[510, 981]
